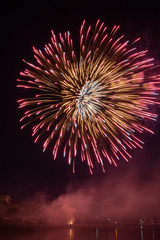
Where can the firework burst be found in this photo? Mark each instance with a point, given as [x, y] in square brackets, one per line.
[90, 104]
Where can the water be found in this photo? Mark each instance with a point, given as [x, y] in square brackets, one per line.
[117, 233]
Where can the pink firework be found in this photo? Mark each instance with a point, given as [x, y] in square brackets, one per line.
[90, 104]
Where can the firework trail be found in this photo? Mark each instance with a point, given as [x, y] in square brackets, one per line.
[90, 104]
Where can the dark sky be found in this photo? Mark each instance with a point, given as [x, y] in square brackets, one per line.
[24, 168]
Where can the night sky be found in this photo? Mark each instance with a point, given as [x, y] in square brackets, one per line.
[24, 168]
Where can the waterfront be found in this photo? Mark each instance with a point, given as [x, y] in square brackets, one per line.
[84, 232]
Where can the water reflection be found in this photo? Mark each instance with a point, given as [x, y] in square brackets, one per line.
[153, 233]
[116, 233]
[96, 232]
[70, 233]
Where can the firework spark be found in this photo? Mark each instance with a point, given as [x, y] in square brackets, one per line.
[90, 104]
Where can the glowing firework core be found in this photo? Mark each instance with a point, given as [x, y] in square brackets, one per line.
[93, 102]
[88, 101]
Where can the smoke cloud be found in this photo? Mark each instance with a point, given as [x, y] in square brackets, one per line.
[125, 196]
